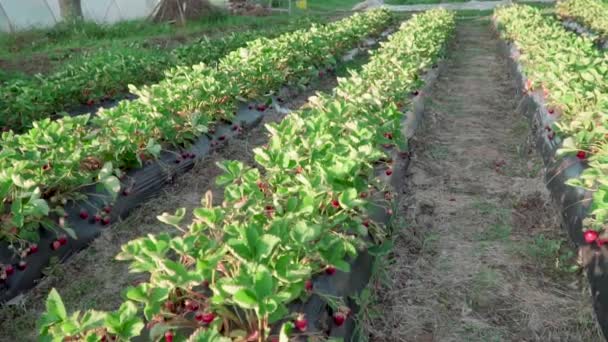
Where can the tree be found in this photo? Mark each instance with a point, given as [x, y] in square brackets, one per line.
[70, 9]
[181, 10]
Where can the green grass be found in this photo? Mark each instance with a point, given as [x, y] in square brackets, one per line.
[419, 2]
[83, 35]
[332, 5]
[550, 253]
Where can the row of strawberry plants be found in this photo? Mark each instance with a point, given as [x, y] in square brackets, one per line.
[573, 76]
[101, 75]
[591, 13]
[231, 273]
[44, 168]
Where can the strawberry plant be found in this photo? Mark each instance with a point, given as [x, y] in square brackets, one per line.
[572, 75]
[591, 13]
[230, 273]
[106, 73]
[52, 162]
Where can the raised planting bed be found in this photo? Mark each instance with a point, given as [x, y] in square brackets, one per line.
[568, 128]
[586, 17]
[93, 209]
[264, 264]
[101, 78]
[65, 155]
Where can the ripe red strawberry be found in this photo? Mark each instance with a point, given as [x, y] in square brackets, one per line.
[335, 204]
[235, 127]
[63, 240]
[388, 135]
[366, 223]
[22, 265]
[190, 305]
[46, 167]
[126, 192]
[299, 170]
[221, 137]
[387, 145]
[339, 318]
[97, 218]
[205, 283]
[389, 172]
[90, 102]
[169, 336]
[105, 221]
[207, 317]
[363, 195]
[84, 214]
[308, 285]
[177, 160]
[551, 110]
[581, 155]
[56, 245]
[330, 270]
[389, 211]
[211, 130]
[321, 74]
[107, 209]
[33, 249]
[301, 323]
[590, 236]
[415, 93]
[9, 269]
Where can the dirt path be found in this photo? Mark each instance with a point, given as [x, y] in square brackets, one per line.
[478, 254]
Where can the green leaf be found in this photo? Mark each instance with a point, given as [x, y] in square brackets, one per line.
[348, 198]
[111, 184]
[106, 171]
[173, 220]
[55, 307]
[263, 283]
[246, 299]
[303, 232]
[266, 245]
[286, 330]
[382, 249]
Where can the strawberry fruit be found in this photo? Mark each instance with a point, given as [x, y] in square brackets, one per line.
[301, 323]
[590, 236]
[191, 305]
[581, 155]
[56, 245]
[308, 285]
[339, 318]
[21, 265]
[9, 269]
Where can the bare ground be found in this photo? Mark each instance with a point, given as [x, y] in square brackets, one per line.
[479, 255]
[92, 278]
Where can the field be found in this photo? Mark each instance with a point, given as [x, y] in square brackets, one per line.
[327, 175]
